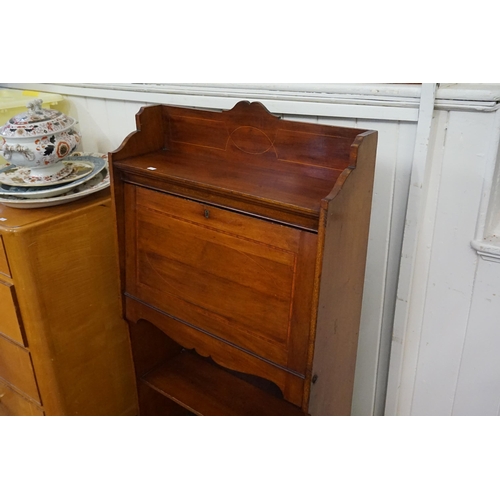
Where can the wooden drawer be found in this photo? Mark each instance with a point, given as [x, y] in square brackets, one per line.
[10, 324]
[14, 405]
[16, 368]
[227, 274]
[4, 263]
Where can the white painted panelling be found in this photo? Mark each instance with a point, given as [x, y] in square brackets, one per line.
[489, 216]
[94, 126]
[381, 92]
[402, 174]
[415, 256]
[453, 263]
[487, 239]
[412, 291]
[374, 298]
[103, 124]
[299, 118]
[492, 229]
[121, 121]
[338, 122]
[478, 386]
[398, 107]
[471, 92]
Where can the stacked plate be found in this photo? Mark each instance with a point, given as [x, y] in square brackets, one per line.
[82, 175]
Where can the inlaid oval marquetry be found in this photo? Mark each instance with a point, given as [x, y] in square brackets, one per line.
[251, 140]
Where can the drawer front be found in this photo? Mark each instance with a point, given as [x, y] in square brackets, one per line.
[9, 314]
[4, 263]
[14, 405]
[16, 368]
[245, 280]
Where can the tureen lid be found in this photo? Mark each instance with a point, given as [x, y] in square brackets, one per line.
[36, 121]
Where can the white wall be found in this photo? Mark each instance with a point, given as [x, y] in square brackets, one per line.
[444, 357]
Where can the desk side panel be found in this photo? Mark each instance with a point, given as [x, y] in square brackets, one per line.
[343, 239]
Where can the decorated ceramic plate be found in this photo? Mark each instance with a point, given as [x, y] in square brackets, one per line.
[96, 183]
[91, 164]
[20, 176]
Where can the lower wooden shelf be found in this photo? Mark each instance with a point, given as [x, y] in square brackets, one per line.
[203, 388]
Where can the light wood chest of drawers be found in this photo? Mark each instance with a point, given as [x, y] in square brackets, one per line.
[64, 348]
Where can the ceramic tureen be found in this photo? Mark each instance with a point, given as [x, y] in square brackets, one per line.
[38, 138]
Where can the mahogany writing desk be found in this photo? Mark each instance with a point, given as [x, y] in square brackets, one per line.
[242, 241]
